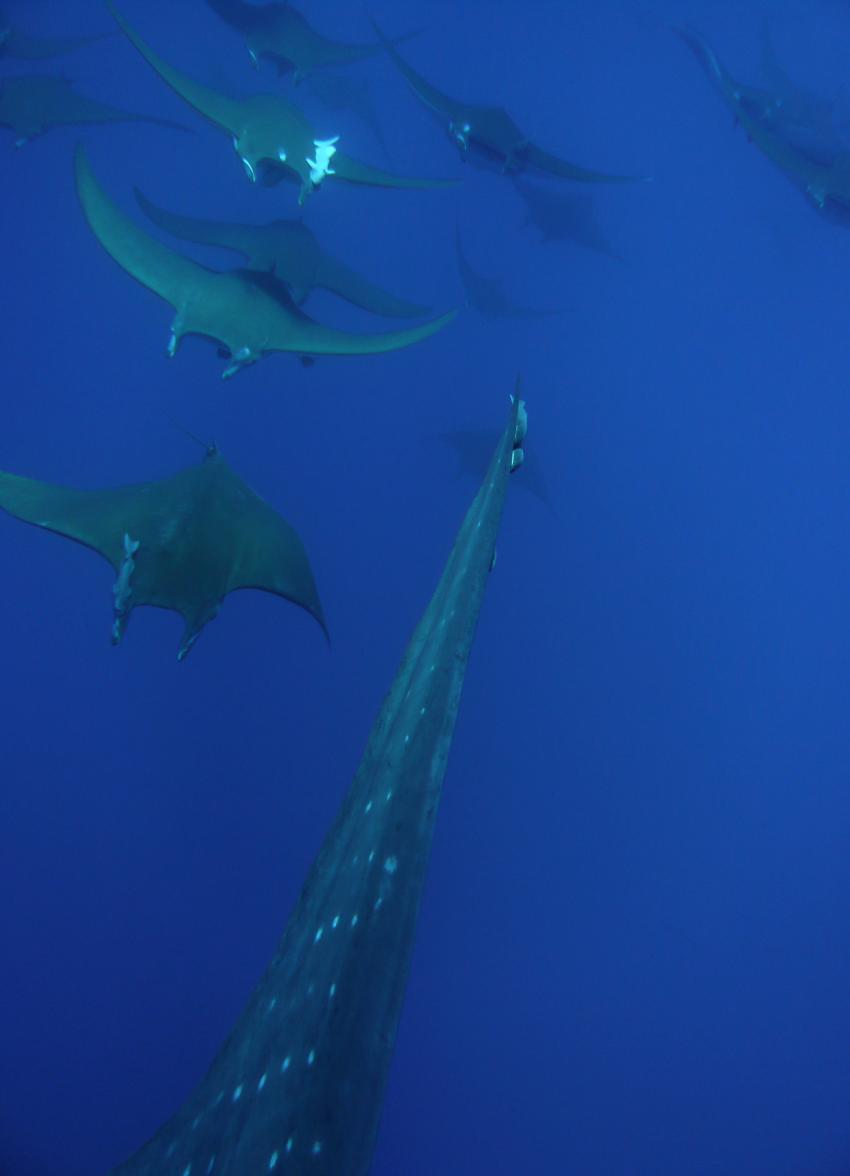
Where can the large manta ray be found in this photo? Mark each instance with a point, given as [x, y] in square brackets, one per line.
[487, 296]
[14, 42]
[280, 33]
[299, 1083]
[813, 158]
[35, 103]
[290, 251]
[249, 313]
[271, 136]
[182, 543]
[488, 134]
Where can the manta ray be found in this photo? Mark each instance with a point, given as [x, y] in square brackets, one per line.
[279, 32]
[271, 136]
[819, 168]
[290, 251]
[14, 42]
[182, 543]
[487, 296]
[249, 313]
[35, 103]
[563, 216]
[298, 1085]
[487, 134]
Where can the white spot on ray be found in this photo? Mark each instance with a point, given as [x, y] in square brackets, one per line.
[289, 1143]
[332, 992]
[262, 1082]
[273, 1158]
[210, 1165]
[389, 794]
[335, 922]
[284, 1065]
[311, 1057]
[319, 934]
[354, 920]
[391, 864]
[371, 857]
[237, 1094]
[379, 902]
[406, 740]
[317, 1147]
[187, 1171]
[368, 807]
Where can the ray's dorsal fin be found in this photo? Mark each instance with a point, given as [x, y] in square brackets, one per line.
[299, 1083]
[181, 543]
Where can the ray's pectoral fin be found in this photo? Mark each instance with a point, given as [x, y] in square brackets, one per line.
[311, 338]
[564, 169]
[355, 172]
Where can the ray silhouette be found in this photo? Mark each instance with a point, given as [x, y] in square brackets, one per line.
[487, 296]
[282, 34]
[290, 251]
[181, 543]
[299, 1083]
[487, 135]
[561, 215]
[249, 313]
[816, 162]
[35, 103]
[14, 42]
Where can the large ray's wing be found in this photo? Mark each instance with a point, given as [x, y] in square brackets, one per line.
[96, 518]
[556, 166]
[439, 102]
[153, 265]
[203, 232]
[271, 557]
[217, 107]
[346, 168]
[348, 284]
[312, 338]
[24, 48]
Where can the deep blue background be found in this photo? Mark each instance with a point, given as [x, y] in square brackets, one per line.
[633, 955]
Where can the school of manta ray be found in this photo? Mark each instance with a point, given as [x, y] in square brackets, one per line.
[299, 1084]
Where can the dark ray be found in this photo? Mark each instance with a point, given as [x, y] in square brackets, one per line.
[562, 215]
[487, 296]
[280, 33]
[248, 312]
[488, 134]
[182, 543]
[289, 250]
[14, 42]
[822, 175]
[272, 137]
[299, 1083]
[35, 103]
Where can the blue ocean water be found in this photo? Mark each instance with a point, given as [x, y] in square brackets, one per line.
[633, 954]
